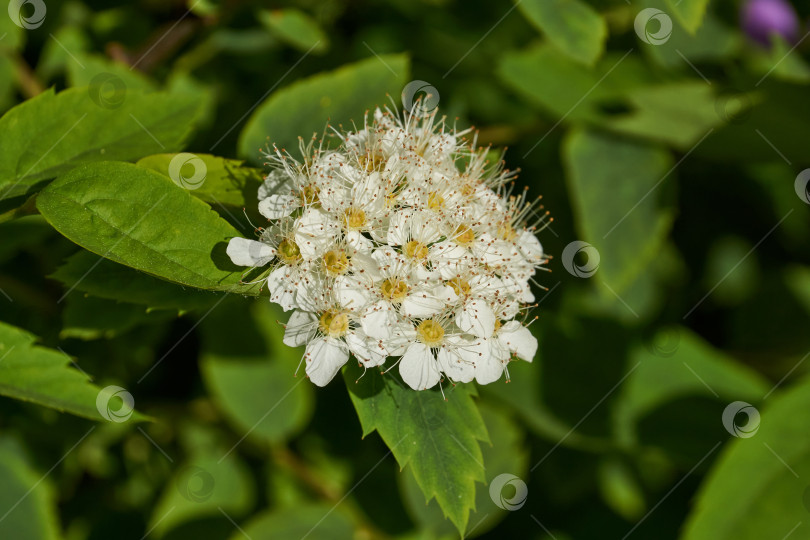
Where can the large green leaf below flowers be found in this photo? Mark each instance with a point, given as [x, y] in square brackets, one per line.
[436, 438]
[140, 218]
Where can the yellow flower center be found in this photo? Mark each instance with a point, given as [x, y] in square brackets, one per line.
[336, 262]
[354, 218]
[333, 323]
[288, 251]
[430, 333]
[394, 290]
[309, 195]
[435, 201]
[415, 250]
[463, 235]
[460, 286]
[507, 232]
[497, 324]
[371, 163]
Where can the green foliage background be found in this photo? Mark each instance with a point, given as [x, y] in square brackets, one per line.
[675, 161]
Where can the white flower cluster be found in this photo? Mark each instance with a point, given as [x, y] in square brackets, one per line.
[402, 242]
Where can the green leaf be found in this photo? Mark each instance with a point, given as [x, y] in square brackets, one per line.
[92, 274]
[689, 12]
[249, 372]
[303, 108]
[620, 489]
[27, 505]
[676, 113]
[436, 439]
[714, 41]
[313, 521]
[51, 133]
[43, 376]
[140, 218]
[105, 76]
[618, 94]
[570, 25]
[296, 28]
[507, 454]
[211, 481]
[225, 181]
[758, 488]
[674, 364]
[613, 185]
[88, 317]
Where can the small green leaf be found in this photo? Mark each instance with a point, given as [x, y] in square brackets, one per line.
[570, 25]
[613, 185]
[211, 481]
[225, 181]
[339, 96]
[758, 487]
[27, 505]
[296, 28]
[507, 454]
[51, 133]
[249, 372]
[620, 488]
[313, 521]
[674, 364]
[436, 439]
[86, 272]
[43, 376]
[140, 218]
[689, 12]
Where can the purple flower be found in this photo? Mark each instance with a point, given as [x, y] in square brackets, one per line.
[761, 19]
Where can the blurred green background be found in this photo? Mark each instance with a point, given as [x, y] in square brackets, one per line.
[671, 146]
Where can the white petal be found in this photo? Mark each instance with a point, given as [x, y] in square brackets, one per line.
[418, 368]
[477, 319]
[492, 361]
[378, 321]
[315, 233]
[281, 286]
[300, 328]
[530, 246]
[278, 206]
[352, 292]
[518, 339]
[276, 182]
[453, 365]
[244, 252]
[368, 350]
[399, 228]
[325, 356]
[421, 304]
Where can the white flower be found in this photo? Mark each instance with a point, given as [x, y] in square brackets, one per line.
[404, 241]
